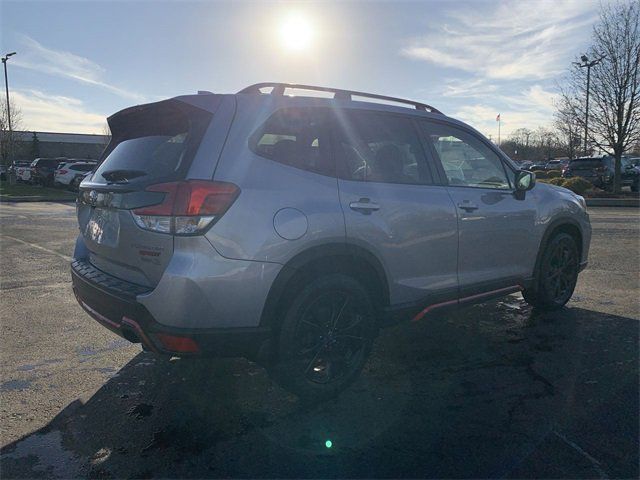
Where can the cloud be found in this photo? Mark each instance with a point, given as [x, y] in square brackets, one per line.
[54, 113]
[36, 56]
[514, 40]
[530, 109]
[475, 87]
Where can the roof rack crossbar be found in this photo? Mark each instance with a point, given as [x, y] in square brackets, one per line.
[338, 94]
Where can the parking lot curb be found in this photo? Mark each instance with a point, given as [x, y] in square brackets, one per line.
[613, 202]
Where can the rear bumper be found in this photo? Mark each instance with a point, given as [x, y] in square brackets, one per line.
[112, 302]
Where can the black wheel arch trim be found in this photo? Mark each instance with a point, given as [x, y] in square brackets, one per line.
[548, 233]
[311, 255]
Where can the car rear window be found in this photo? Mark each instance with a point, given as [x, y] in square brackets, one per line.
[46, 163]
[586, 164]
[152, 143]
[82, 168]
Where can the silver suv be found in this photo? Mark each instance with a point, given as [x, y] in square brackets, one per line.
[287, 223]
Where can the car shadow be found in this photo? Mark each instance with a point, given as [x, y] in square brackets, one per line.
[494, 390]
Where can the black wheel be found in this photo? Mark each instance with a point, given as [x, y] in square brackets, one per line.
[325, 337]
[557, 276]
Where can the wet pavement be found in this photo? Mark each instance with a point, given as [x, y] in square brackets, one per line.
[494, 390]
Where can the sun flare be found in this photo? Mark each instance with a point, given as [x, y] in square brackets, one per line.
[296, 33]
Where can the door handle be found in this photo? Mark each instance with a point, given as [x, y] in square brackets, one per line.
[364, 206]
[467, 206]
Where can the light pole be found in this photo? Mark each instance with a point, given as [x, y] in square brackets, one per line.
[588, 64]
[6, 89]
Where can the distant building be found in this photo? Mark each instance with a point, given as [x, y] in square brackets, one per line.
[31, 145]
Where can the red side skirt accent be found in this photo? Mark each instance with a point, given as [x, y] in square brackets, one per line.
[504, 291]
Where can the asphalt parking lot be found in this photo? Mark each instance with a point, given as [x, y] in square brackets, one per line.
[495, 390]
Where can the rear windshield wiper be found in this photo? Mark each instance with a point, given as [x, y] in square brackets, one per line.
[122, 175]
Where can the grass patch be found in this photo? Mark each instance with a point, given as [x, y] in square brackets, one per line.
[15, 192]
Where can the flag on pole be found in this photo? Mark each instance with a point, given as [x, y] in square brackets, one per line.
[498, 118]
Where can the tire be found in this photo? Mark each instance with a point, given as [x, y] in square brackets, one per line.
[557, 275]
[325, 337]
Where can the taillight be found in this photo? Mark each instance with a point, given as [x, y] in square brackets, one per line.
[188, 207]
[61, 172]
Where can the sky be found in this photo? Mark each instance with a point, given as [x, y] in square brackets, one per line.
[78, 62]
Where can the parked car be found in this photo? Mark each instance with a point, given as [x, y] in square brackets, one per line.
[589, 168]
[628, 175]
[633, 168]
[12, 168]
[556, 164]
[526, 165]
[600, 171]
[42, 170]
[70, 174]
[289, 229]
[538, 166]
[23, 171]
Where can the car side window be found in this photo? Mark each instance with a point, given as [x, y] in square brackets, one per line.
[374, 147]
[297, 137]
[466, 160]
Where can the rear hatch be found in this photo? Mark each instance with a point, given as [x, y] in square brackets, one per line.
[151, 144]
[586, 168]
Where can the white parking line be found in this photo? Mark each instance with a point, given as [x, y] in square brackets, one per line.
[594, 463]
[34, 245]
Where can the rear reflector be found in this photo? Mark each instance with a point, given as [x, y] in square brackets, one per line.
[188, 207]
[177, 344]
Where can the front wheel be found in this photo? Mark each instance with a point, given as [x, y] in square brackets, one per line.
[325, 337]
[557, 276]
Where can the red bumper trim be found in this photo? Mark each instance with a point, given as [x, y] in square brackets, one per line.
[141, 335]
[117, 327]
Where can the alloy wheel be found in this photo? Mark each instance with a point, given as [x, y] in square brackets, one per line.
[330, 337]
[562, 271]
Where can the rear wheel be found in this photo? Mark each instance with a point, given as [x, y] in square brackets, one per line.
[557, 276]
[325, 338]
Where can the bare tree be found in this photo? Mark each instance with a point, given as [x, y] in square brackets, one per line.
[9, 141]
[106, 131]
[568, 128]
[614, 113]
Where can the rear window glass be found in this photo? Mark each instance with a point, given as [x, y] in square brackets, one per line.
[152, 143]
[82, 168]
[586, 164]
[297, 137]
[45, 163]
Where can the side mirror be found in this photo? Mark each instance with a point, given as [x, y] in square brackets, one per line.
[524, 181]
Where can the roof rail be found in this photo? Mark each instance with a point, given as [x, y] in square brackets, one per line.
[338, 94]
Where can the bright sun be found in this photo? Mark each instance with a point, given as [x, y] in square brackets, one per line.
[296, 33]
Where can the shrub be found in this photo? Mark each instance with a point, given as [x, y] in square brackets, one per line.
[577, 185]
[559, 181]
[554, 173]
[540, 174]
